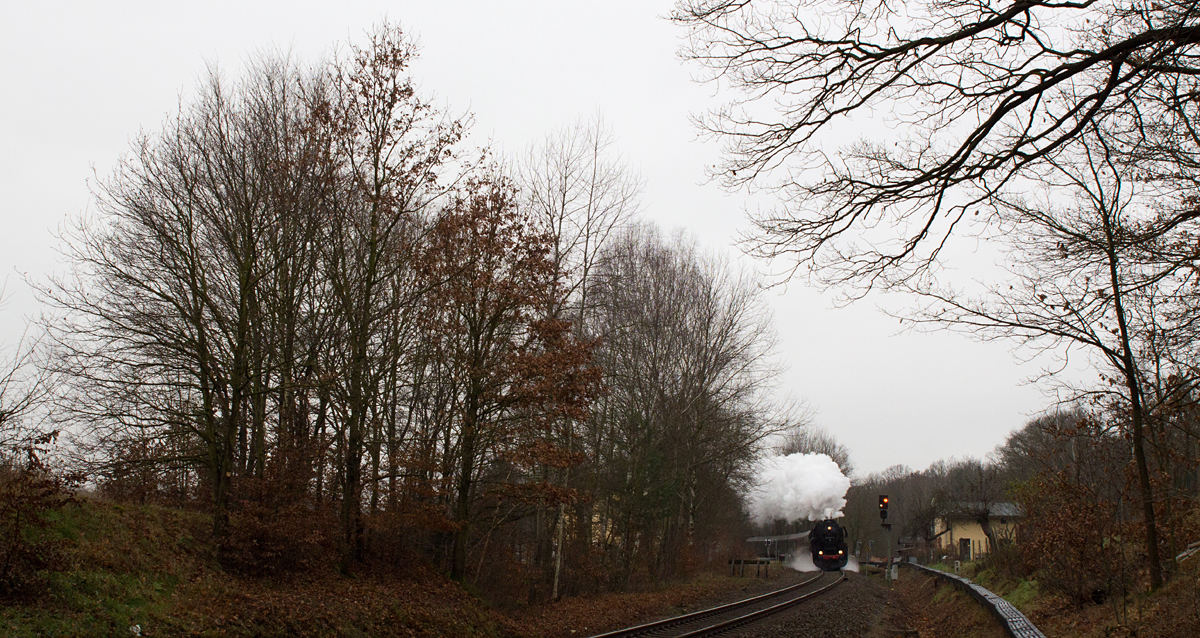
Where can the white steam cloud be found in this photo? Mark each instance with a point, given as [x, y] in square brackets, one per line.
[802, 560]
[799, 487]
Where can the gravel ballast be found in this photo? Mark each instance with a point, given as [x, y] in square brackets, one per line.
[855, 608]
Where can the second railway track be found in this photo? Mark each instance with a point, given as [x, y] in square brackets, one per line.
[725, 618]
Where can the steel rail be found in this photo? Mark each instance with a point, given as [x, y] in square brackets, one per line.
[734, 623]
[667, 623]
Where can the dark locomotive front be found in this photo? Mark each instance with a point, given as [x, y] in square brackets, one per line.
[827, 541]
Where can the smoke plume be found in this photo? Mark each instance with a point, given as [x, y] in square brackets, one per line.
[799, 487]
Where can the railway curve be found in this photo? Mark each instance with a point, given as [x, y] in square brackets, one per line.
[732, 616]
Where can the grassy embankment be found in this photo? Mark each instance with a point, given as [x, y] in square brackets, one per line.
[122, 570]
[1171, 612]
[129, 570]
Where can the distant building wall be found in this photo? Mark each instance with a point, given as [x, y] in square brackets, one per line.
[966, 537]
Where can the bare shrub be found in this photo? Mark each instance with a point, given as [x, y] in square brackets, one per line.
[274, 529]
[29, 491]
[1069, 540]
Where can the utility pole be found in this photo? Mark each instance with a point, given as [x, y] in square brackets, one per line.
[887, 570]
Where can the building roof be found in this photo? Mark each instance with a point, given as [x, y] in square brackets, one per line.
[995, 510]
[785, 537]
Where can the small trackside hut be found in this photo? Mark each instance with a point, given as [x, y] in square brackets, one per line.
[780, 548]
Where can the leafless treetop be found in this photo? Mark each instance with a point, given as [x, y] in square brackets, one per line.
[980, 93]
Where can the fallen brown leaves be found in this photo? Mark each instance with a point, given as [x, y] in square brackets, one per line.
[421, 603]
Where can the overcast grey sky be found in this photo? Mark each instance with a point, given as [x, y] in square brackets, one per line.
[80, 79]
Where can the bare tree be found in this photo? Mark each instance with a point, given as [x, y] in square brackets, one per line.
[581, 196]
[161, 330]
[1081, 279]
[805, 438]
[686, 349]
[987, 97]
[391, 146]
[981, 93]
[25, 385]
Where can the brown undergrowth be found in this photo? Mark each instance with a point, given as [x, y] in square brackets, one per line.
[930, 608]
[419, 604]
[935, 609]
[1171, 612]
[152, 571]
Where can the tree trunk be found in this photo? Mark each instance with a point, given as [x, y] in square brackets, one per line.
[462, 507]
[1136, 411]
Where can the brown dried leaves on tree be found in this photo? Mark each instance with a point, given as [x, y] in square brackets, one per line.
[518, 373]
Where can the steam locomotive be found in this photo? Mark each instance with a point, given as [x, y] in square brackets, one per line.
[827, 541]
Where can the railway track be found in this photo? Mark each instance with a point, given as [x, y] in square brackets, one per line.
[718, 620]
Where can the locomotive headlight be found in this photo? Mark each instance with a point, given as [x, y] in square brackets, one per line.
[839, 551]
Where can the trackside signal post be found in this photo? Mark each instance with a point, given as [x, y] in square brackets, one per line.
[883, 514]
